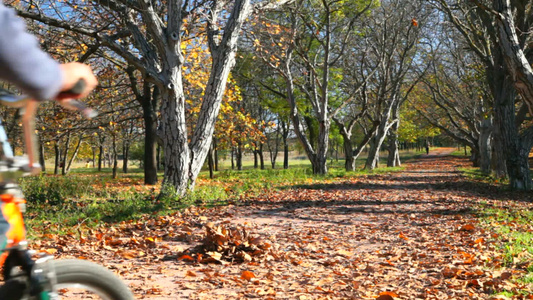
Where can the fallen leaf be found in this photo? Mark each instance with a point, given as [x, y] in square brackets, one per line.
[388, 293]
[186, 257]
[247, 275]
[467, 227]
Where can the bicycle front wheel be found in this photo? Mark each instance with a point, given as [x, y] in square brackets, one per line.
[80, 279]
[76, 279]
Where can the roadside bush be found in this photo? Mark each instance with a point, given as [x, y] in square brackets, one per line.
[55, 190]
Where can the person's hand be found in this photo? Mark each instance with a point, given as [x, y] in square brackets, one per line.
[72, 73]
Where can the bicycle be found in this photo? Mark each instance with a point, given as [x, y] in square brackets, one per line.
[42, 278]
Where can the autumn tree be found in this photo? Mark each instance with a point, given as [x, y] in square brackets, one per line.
[395, 35]
[268, 105]
[460, 99]
[481, 28]
[148, 36]
[355, 112]
[303, 45]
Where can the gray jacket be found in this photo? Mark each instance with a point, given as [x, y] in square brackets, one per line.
[22, 62]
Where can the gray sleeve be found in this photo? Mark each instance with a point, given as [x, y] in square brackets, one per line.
[22, 62]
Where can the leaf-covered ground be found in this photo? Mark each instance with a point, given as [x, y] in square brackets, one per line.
[407, 235]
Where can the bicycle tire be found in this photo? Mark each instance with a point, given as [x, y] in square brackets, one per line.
[12, 289]
[81, 274]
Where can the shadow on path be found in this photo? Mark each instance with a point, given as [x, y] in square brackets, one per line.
[434, 187]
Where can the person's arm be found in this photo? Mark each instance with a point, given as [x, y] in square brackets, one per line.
[23, 63]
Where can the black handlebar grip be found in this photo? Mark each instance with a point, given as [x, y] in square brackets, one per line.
[76, 90]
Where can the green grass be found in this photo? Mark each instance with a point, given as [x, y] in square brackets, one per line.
[476, 175]
[515, 241]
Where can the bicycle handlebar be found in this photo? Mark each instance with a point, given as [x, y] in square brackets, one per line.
[28, 117]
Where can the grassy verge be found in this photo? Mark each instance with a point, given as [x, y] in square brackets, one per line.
[514, 229]
[476, 175]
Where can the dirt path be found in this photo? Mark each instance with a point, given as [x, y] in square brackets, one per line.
[409, 235]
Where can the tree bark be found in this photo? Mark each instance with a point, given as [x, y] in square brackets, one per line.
[349, 163]
[232, 156]
[372, 160]
[485, 146]
[100, 157]
[94, 156]
[150, 137]
[516, 156]
[56, 158]
[115, 157]
[174, 135]
[65, 155]
[75, 154]
[517, 64]
[238, 157]
[42, 160]
[256, 158]
[261, 157]
[125, 157]
[215, 153]
[210, 162]
[321, 159]
[158, 157]
[393, 159]
[498, 164]
[285, 136]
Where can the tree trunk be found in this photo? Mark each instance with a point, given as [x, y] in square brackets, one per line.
[256, 158]
[100, 157]
[516, 157]
[174, 135]
[56, 158]
[372, 160]
[321, 158]
[310, 124]
[285, 156]
[515, 59]
[75, 154]
[109, 159]
[115, 158]
[285, 136]
[150, 143]
[261, 157]
[125, 157]
[215, 153]
[65, 156]
[485, 146]
[223, 59]
[349, 162]
[393, 159]
[232, 153]
[42, 160]
[94, 156]
[238, 157]
[498, 165]
[210, 162]
[474, 156]
[158, 157]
